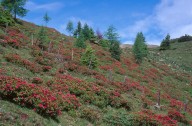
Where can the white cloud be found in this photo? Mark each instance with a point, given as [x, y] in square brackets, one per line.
[141, 25]
[48, 7]
[174, 17]
[127, 42]
[169, 16]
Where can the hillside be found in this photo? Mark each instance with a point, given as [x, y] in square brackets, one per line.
[130, 46]
[179, 56]
[50, 88]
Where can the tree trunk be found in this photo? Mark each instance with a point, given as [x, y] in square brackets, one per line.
[15, 15]
[49, 48]
[125, 79]
[185, 106]
[15, 11]
[32, 39]
[158, 98]
[6, 27]
[110, 76]
[72, 54]
[90, 62]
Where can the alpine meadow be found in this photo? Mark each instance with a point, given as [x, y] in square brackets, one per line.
[95, 63]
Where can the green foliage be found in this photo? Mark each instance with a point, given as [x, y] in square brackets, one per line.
[140, 48]
[86, 32]
[80, 42]
[90, 113]
[69, 27]
[104, 43]
[16, 7]
[78, 30]
[114, 46]
[46, 18]
[165, 44]
[185, 38]
[88, 58]
[111, 34]
[92, 33]
[42, 38]
[5, 17]
[119, 118]
[115, 50]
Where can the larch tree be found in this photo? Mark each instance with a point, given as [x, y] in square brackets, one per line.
[70, 27]
[89, 58]
[15, 7]
[78, 30]
[46, 18]
[114, 44]
[80, 42]
[86, 32]
[165, 44]
[140, 48]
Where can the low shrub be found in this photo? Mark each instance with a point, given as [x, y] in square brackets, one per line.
[91, 114]
[46, 68]
[185, 38]
[37, 80]
[174, 114]
[41, 99]
[15, 58]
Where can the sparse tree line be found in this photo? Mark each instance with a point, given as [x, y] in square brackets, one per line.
[84, 34]
[109, 40]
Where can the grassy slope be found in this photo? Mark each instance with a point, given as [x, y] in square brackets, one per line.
[175, 83]
[179, 56]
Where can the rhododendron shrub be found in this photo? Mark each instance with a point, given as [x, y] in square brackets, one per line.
[15, 58]
[149, 118]
[174, 114]
[37, 80]
[176, 104]
[41, 99]
[46, 68]
[89, 93]
[14, 38]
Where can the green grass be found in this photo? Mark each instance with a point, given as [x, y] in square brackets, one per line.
[176, 83]
[15, 115]
[179, 56]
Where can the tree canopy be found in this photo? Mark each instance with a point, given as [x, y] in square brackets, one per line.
[140, 48]
[70, 27]
[80, 42]
[46, 18]
[165, 44]
[89, 58]
[114, 44]
[15, 7]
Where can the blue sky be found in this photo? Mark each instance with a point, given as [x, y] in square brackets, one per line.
[155, 18]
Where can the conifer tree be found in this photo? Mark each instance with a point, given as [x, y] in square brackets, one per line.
[46, 18]
[80, 42]
[5, 17]
[88, 58]
[16, 7]
[42, 38]
[114, 44]
[140, 48]
[86, 32]
[165, 44]
[78, 30]
[115, 50]
[92, 33]
[69, 27]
